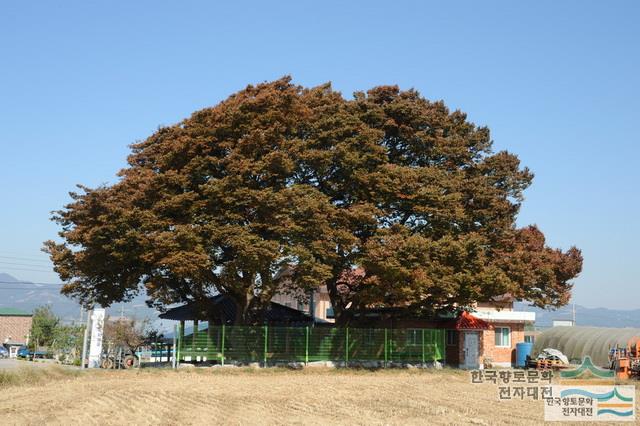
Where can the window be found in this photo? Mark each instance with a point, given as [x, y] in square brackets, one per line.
[529, 339]
[329, 313]
[503, 336]
[451, 338]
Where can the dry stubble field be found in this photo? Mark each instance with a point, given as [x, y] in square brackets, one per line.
[272, 396]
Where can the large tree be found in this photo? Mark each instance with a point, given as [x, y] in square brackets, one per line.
[282, 176]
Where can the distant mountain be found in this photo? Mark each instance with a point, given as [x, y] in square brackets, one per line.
[595, 317]
[7, 278]
[27, 296]
[18, 294]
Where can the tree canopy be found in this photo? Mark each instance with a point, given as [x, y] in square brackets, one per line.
[64, 342]
[128, 333]
[279, 175]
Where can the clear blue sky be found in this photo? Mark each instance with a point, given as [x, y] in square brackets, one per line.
[557, 83]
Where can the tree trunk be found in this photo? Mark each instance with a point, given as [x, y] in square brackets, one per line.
[340, 315]
[243, 304]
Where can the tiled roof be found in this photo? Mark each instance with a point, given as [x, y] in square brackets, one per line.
[467, 321]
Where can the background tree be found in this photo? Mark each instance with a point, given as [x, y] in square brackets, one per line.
[44, 325]
[66, 345]
[282, 175]
[64, 342]
[129, 333]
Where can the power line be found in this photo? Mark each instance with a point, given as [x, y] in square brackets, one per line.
[4, 262]
[29, 282]
[21, 256]
[21, 264]
[25, 269]
[26, 259]
[28, 288]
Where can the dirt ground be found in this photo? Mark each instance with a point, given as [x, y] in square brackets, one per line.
[272, 396]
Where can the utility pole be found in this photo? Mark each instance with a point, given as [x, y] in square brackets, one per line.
[574, 314]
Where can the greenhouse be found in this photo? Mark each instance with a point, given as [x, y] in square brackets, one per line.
[579, 342]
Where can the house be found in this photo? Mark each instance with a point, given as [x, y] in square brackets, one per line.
[492, 339]
[319, 299]
[486, 336]
[15, 326]
[531, 332]
[562, 323]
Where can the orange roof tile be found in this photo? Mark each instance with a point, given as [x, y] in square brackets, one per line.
[467, 321]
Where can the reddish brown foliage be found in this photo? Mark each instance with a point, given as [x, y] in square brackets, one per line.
[278, 174]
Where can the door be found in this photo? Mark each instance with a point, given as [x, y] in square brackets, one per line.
[471, 349]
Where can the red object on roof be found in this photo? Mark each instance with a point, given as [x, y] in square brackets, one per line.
[467, 321]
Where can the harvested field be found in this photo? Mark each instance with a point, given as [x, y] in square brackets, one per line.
[272, 396]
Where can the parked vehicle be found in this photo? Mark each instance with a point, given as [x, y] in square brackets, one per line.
[121, 358]
[25, 352]
[4, 353]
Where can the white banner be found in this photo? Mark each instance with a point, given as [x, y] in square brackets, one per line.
[95, 347]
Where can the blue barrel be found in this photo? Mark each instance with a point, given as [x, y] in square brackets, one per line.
[523, 350]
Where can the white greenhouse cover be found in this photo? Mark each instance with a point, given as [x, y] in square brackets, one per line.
[579, 342]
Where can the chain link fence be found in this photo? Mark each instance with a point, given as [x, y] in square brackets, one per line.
[272, 345]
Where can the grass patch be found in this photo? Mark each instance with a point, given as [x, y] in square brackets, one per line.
[30, 376]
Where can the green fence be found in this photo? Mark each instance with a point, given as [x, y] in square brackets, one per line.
[269, 345]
